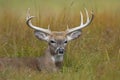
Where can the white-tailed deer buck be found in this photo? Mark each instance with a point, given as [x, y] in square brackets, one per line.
[57, 41]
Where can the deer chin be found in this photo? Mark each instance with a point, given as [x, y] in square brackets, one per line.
[59, 54]
[57, 58]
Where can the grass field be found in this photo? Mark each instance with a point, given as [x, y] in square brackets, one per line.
[94, 56]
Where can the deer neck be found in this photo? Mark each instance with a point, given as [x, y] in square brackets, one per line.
[56, 59]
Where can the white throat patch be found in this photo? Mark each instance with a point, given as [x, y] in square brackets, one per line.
[57, 58]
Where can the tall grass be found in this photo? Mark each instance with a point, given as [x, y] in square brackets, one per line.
[94, 56]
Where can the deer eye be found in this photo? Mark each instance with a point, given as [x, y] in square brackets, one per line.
[65, 41]
[52, 41]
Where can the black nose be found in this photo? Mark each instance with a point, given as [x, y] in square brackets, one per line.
[61, 51]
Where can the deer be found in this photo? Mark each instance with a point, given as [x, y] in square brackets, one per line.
[52, 59]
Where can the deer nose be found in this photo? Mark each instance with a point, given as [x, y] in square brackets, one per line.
[61, 50]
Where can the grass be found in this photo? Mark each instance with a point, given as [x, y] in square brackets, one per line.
[94, 56]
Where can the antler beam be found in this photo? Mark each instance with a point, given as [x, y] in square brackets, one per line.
[29, 23]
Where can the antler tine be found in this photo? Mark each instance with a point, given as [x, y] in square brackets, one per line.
[87, 15]
[28, 14]
[67, 27]
[82, 25]
[29, 23]
[49, 27]
[81, 18]
[28, 17]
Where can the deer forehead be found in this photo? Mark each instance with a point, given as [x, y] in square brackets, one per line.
[58, 35]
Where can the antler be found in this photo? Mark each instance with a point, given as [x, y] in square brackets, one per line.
[82, 25]
[29, 23]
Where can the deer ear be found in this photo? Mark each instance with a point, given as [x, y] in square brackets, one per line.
[41, 35]
[74, 35]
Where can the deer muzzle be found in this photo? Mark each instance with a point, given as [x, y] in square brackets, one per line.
[60, 51]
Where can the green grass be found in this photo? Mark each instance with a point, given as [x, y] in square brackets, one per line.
[94, 56]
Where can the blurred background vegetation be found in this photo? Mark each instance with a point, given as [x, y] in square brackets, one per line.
[94, 56]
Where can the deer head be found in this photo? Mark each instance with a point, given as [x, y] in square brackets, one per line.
[58, 40]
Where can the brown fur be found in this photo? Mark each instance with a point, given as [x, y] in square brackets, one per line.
[43, 63]
[58, 35]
